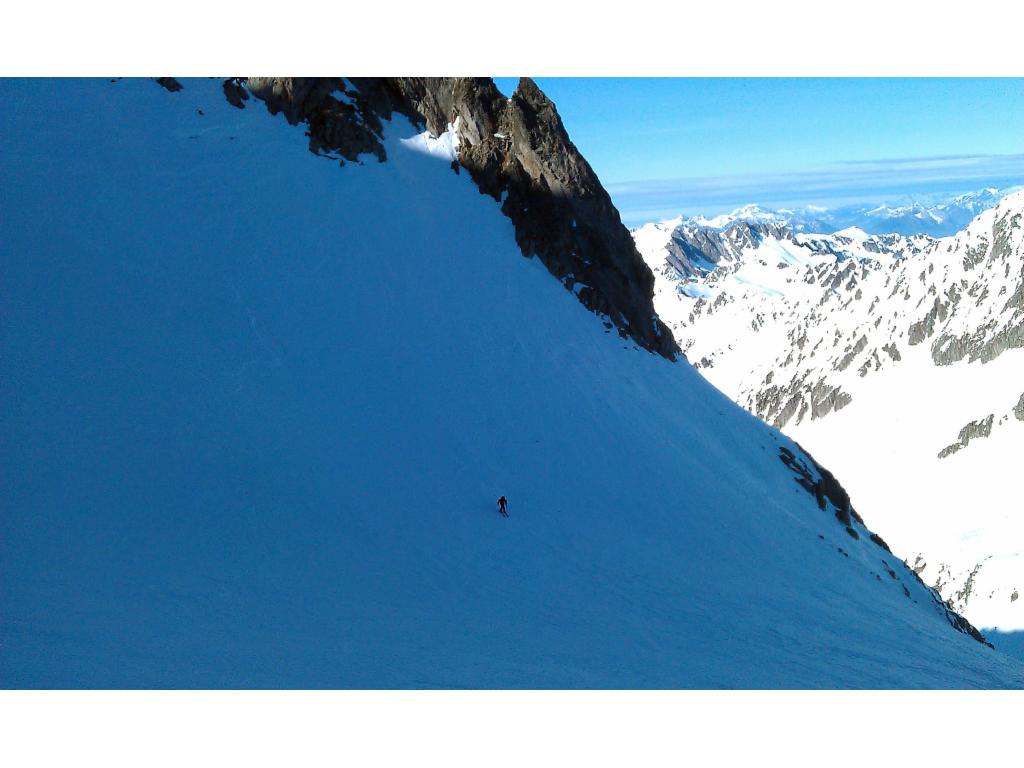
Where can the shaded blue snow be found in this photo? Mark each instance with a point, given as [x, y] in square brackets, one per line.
[259, 409]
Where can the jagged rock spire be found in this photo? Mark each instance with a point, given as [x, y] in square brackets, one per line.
[516, 150]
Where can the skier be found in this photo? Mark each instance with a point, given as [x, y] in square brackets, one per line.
[502, 502]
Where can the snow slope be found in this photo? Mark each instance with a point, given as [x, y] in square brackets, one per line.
[875, 352]
[260, 407]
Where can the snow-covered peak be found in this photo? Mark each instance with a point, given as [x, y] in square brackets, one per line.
[1012, 201]
[853, 233]
[911, 346]
[752, 212]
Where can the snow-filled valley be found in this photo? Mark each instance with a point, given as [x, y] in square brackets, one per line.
[259, 408]
[895, 360]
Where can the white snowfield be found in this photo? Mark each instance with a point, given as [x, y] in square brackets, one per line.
[857, 317]
[260, 407]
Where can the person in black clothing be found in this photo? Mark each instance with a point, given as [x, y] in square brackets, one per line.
[502, 503]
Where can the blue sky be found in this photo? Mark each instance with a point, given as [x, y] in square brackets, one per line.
[664, 146]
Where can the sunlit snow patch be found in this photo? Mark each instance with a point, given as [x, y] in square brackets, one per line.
[443, 147]
[695, 290]
[853, 233]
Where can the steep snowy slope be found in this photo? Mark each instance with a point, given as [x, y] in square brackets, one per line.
[260, 406]
[896, 360]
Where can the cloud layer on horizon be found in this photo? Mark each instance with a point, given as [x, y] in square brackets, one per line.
[882, 180]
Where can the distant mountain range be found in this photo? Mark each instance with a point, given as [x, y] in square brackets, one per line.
[935, 215]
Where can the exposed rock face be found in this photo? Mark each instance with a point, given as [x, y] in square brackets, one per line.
[778, 405]
[564, 216]
[235, 92]
[170, 83]
[975, 429]
[516, 150]
[925, 327]
[338, 125]
[862, 342]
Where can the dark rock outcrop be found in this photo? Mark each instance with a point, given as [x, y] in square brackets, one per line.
[516, 150]
[970, 431]
[170, 83]
[925, 327]
[340, 123]
[984, 344]
[822, 484]
[564, 216]
[880, 542]
[843, 364]
[235, 92]
[777, 404]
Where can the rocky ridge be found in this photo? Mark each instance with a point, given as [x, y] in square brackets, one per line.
[515, 149]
